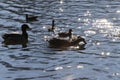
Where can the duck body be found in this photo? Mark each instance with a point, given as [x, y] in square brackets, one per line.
[16, 38]
[65, 34]
[12, 39]
[31, 18]
[57, 42]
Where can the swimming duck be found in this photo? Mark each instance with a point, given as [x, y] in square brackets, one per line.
[51, 29]
[57, 42]
[16, 38]
[77, 40]
[31, 18]
[66, 34]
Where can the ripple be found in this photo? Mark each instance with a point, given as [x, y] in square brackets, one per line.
[97, 21]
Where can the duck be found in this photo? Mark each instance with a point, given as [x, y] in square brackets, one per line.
[77, 40]
[66, 34]
[58, 42]
[17, 38]
[31, 18]
[51, 29]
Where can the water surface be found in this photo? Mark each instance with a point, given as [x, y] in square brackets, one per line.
[96, 20]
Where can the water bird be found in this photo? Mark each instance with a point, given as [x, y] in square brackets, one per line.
[58, 42]
[51, 29]
[31, 18]
[66, 34]
[17, 38]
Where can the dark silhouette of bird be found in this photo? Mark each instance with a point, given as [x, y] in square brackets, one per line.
[57, 42]
[66, 34]
[31, 18]
[17, 38]
[51, 29]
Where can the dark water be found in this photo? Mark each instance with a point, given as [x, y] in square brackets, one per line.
[96, 20]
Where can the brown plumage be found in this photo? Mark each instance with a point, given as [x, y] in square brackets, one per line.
[56, 42]
[66, 34]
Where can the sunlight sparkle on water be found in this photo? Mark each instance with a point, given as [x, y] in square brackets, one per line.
[46, 37]
[79, 19]
[87, 13]
[90, 32]
[116, 74]
[61, 9]
[80, 66]
[103, 23]
[61, 1]
[105, 53]
[86, 20]
[58, 68]
[44, 27]
[118, 11]
[69, 66]
[96, 43]
[113, 40]
[107, 6]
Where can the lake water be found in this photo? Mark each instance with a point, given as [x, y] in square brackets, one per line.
[97, 21]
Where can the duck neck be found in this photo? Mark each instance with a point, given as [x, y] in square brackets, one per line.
[26, 17]
[53, 25]
[24, 34]
[70, 34]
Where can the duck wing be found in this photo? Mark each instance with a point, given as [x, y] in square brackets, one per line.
[59, 42]
[13, 39]
[63, 34]
[32, 18]
[11, 36]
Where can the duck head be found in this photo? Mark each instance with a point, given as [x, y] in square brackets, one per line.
[79, 39]
[25, 27]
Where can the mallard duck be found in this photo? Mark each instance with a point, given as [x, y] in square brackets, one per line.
[66, 34]
[16, 38]
[57, 42]
[51, 29]
[31, 18]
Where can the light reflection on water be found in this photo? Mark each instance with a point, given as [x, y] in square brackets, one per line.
[97, 21]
